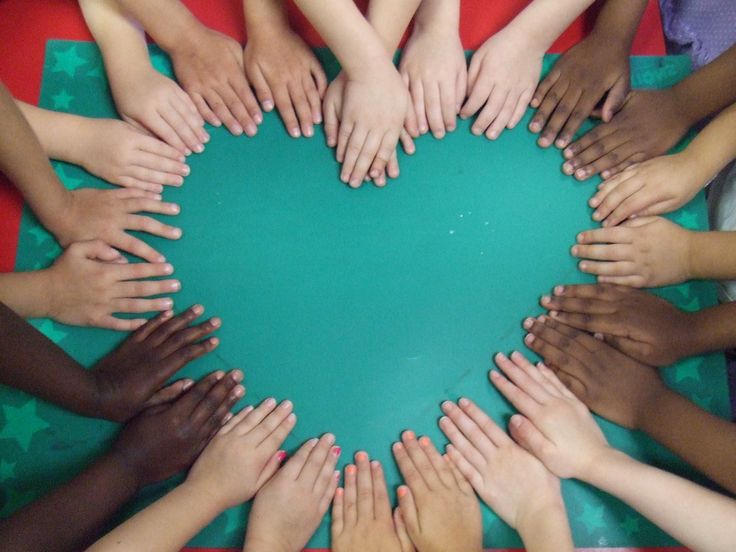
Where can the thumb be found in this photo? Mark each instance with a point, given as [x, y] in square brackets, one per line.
[168, 393]
[271, 467]
[615, 98]
[528, 436]
[96, 250]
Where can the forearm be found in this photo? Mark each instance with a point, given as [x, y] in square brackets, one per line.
[542, 21]
[699, 518]
[166, 525]
[70, 517]
[169, 22]
[700, 438]
[713, 329]
[348, 34]
[27, 293]
[547, 530]
[263, 16]
[23, 161]
[618, 22]
[713, 148]
[29, 361]
[712, 255]
[438, 15]
[390, 19]
[709, 89]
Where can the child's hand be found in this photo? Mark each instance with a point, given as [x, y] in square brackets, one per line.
[364, 118]
[643, 252]
[243, 455]
[555, 426]
[166, 439]
[649, 124]
[290, 506]
[660, 185]
[209, 66]
[638, 323]
[511, 481]
[612, 384]
[155, 103]
[586, 74]
[437, 505]
[90, 281]
[502, 77]
[434, 70]
[285, 72]
[361, 513]
[131, 377]
[123, 155]
[106, 215]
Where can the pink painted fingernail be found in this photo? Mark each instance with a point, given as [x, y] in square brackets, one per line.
[281, 456]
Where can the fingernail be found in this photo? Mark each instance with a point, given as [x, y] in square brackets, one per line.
[574, 250]
[167, 303]
[281, 456]
[515, 420]
[463, 401]
[330, 438]
[267, 105]
[402, 491]
[424, 441]
[528, 323]
[351, 469]
[251, 130]
[529, 339]
[176, 285]
[444, 420]
[187, 384]
[237, 375]
[546, 299]
[227, 417]
[309, 132]
[408, 435]
[493, 135]
[269, 402]
[258, 118]
[168, 269]
[199, 148]
[361, 456]
[186, 170]
[336, 451]
[375, 464]
[286, 404]
[567, 168]
[559, 290]
[447, 405]
[294, 132]
[543, 141]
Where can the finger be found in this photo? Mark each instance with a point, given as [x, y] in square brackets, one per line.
[386, 154]
[142, 333]
[219, 396]
[190, 344]
[502, 119]
[318, 456]
[152, 226]
[460, 481]
[166, 132]
[354, 150]
[608, 252]
[331, 124]
[367, 158]
[615, 98]
[160, 163]
[157, 178]
[169, 393]
[479, 91]
[188, 402]
[474, 452]
[272, 428]
[557, 118]
[618, 234]
[420, 460]
[577, 305]
[489, 113]
[615, 155]
[469, 472]
[173, 118]
[128, 243]
[497, 435]
[146, 288]
[243, 90]
[519, 377]
[407, 468]
[119, 324]
[262, 89]
[518, 397]
[314, 99]
[351, 495]
[254, 418]
[338, 519]
[219, 106]
[582, 111]
[416, 90]
[204, 110]
[439, 463]
[192, 118]
[408, 508]
[303, 109]
[543, 88]
[138, 271]
[365, 486]
[286, 110]
[233, 422]
[381, 504]
[272, 466]
[344, 133]
[554, 92]
[520, 109]
[554, 380]
[528, 436]
[434, 109]
[449, 105]
[162, 332]
[592, 145]
[139, 305]
[295, 465]
[319, 76]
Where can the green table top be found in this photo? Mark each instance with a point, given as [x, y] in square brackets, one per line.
[366, 307]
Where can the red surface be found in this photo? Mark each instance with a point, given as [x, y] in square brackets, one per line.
[26, 25]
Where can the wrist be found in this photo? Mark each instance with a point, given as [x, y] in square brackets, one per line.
[438, 18]
[543, 510]
[687, 106]
[265, 17]
[183, 34]
[599, 469]
[652, 421]
[208, 503]
[61, 218]
[126, 472]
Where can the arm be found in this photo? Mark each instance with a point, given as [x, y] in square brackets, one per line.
[390, 20]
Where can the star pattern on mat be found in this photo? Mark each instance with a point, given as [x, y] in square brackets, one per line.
[67, 61]
[592, 517]
[62, 100]
[22, 423]
[631, 525]
[7, 470]
[50, 329]
[692, 305]
[54, 252]
[689, 370]
[95, 73]
[703, 401]
[688, 219]
[40, 234]
[17, 500]
[70, 182]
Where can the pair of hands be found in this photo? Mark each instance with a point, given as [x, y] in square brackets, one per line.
[437, 507]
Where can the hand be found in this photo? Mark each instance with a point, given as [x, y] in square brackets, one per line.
[502, 77]
[639, 324]
[554, 426]
[154, 103]
[166, 439]
[586, 74]
[434, 70]
[91, 214]
[209, 66]
[130, 378]
[364, 117]
[244, 454]
[437, 504]
[643, 252]
[286, 72]
[510, 480]
[289, 508]
[361, 513]
[610, 383]
[90, 281]
[649, 124]
[660, 185]
[123, 155]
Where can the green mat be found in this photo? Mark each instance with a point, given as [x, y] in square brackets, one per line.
[367, 308]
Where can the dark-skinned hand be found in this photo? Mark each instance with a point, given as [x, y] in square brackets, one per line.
[166, 439]
[638, 323]
[650, 123]
[610, 383]
[131, 377]
[588, 74]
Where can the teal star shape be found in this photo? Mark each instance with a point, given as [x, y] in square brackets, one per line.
[16, 500]
[95, 73]
[62, 100]
[692, 305]
[703, 401]
[70, 183]
[67, 62]
[631, 525]
[687, 219]
[592, 517]
[51, 330]
[22, 423]
[7, 470]
[234, 519]
[687, 371]
[54, 252]
[40, 234]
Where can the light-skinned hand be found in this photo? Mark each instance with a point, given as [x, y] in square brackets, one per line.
[638, 323]
[513, 483]
[286, 74]
[244, 454]
[290, 506]
[361, 512]
[554, 425]
[91, 281]
[660, 185]
[502, 77]
[437, 505]
[642, 252]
